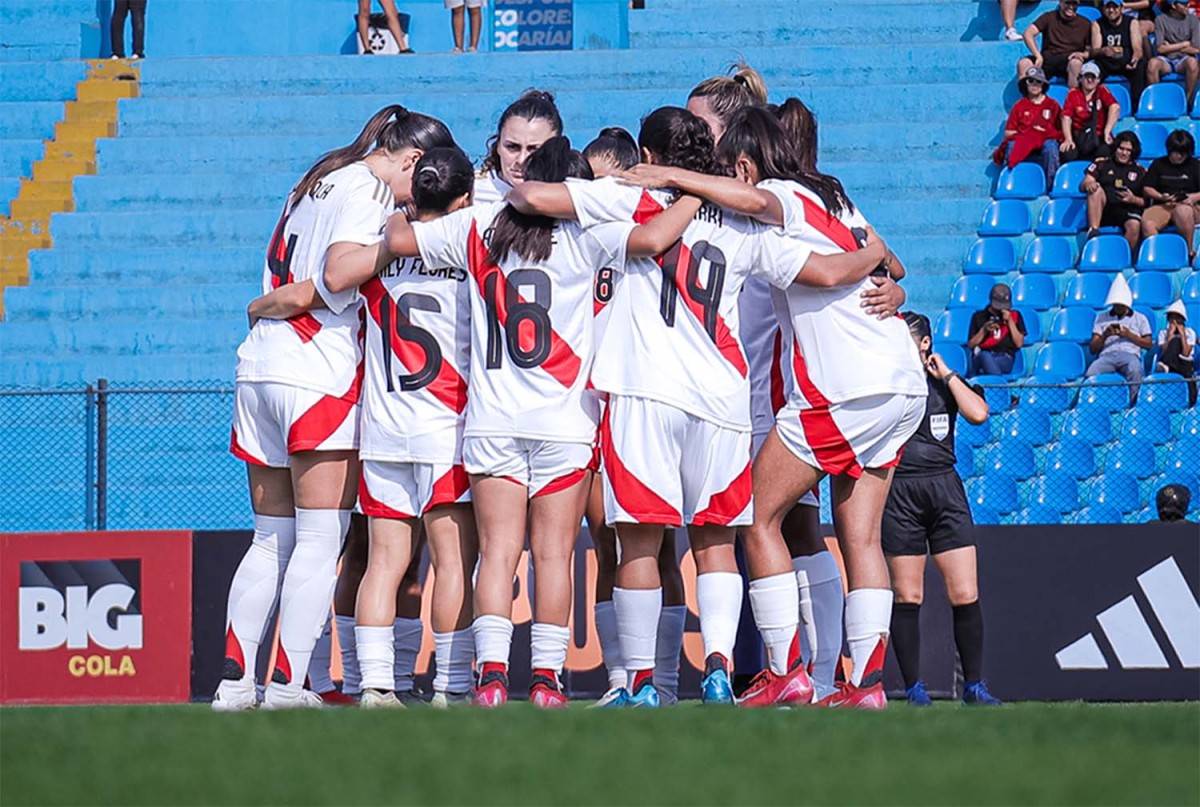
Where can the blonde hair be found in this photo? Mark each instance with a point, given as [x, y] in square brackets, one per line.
[727, 94]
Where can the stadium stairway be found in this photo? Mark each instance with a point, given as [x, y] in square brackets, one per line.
[150, 272]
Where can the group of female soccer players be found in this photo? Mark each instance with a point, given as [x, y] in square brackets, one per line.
[478, 360]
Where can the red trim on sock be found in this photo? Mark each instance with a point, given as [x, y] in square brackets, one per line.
[793, 658]
[233, 649]
[641, 677]
[493, 666]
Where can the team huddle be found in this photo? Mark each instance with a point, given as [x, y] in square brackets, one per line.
[687, 329]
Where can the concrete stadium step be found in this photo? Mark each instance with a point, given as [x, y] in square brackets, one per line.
[122, 338]
[28, 119]
[42, 80]
[64, 267]
[108, 230]
[121, 192]
[84, 304]
[17, 156]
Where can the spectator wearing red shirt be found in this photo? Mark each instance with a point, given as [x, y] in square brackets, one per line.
[1066, 38]
[1032, 130]
[1089, 115]
[997, 333]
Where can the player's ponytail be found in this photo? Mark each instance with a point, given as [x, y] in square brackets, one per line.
[727, 94]
[801, 126]
[391, 129]
[676, 137]
[531, 237]
[614, 145]
[532, 105]
[440, 177]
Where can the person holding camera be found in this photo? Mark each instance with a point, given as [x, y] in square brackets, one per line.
[1089, 114]
[997, 333]
[1118, 42]
[1119, 335]
[1172, 187]
[1176, 348]
[1113, 186]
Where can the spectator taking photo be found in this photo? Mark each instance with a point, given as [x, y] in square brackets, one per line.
[1119, 335]
[997, 333]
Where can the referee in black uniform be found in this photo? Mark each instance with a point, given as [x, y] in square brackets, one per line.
[927, 511]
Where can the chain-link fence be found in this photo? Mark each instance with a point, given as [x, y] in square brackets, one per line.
[140, 457]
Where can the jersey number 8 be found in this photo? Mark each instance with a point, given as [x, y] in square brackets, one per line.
[519, 311]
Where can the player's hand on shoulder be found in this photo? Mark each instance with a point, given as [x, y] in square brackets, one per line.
[646, 176]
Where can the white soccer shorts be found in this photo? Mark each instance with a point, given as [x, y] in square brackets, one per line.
[542, 466]
[272, 421]
[410, 489]
[460, 3]
[808, 499]
[845, 438]
[665, 466]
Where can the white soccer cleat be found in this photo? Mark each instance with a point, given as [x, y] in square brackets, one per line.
[235, 696]
[607, 699]
[280, 697]
[449, 700]
[378, 699]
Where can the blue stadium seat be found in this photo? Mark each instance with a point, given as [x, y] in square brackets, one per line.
[1131, 455]
[1049, 254]
[1005, 217]
[971, 292]
[1155, 319]
[1153, 137]
[954, 355]
[1191, 289]
[1090, 424]
[1089, 13]
[970, 435]
[1105, 253]
[1025, 425]
[1066, 181]
[995, 492]
[1188, 427]
[1121, 94]
[1193, 312]
[1052, 399]
[964, 464]
[995, 392]
[1072, 324]
[1162, 102]
[990, 256]
[1106, 391]
[1089, 290]
[1062, 217]
[1170, 395]
[1151, 289]
[1038, 514]
[1033, 325]
[1059, 360]
[1164, 252]
[1034, 291]
[1071, 456]
[1176, 475]
[1150, 422]
[1057, 491]
[952, 326]
[1011, 458]
[1097, 514]
[1023, 181]
[1058, 92]
[1116, 489]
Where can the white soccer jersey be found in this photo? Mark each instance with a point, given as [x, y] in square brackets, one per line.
[841, 353]
[418, 349]
[673, 335]
[319, 350]
[531, 326]
[489, 188]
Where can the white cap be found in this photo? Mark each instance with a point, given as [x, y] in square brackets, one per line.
[1090, 69]
[1179, 308]
[1119, 293]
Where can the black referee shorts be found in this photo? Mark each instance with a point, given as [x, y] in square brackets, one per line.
[927, 512]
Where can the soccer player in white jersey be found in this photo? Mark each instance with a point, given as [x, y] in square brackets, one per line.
[414, 403]
[858, 391]
[296, 407]
[524, 126]
[676, 439]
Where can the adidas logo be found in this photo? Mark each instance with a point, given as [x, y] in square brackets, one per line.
[1174, 606]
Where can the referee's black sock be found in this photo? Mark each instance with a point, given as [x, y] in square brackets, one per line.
[968, 636]
[906, 640]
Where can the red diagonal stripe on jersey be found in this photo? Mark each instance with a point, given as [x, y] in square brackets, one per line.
[829, 226]
[648, 207]
[375, 508]
[727, 505]
[562, 364]
[322, 419]
[450, 486]
[778, 396]
[305, 325]
[448, 386]
[803, 382]
[634, 497]
[726, 344]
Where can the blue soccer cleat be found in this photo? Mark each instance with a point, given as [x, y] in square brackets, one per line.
[977, 694]
[615, 698]
[917, 696]
[645, 698]
[715, 687]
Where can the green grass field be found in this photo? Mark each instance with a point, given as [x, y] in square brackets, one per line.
[1019, 754]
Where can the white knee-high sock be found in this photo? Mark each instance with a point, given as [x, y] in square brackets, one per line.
[406, 635]
[453, 651]
[670, 643]
[610, 643]
[376, 656]
[351, 676]
[319, 679]
[637, 626]
[493, 639]
[821, 601]
[719, 597]
[307, 590]
[548, 646]
[775, 602]
[255, 590]
[868, 620]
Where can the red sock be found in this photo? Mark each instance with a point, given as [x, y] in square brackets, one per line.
[553, 676]
[493, 666]
[641, 677]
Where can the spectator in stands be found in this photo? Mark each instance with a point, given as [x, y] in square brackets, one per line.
[393, 22]
[1173, 502]
[1176, 346]
[1089, 115]
[997, 333]
[1117, 42]
[1178, 42]
[475, 8]
[1172, 186]
[1066, 38]
[1008, 13]
[1119, 335]
[1032, 129]
[1113, 185]
[122, 9]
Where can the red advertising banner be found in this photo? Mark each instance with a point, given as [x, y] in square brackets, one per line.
[95, 617]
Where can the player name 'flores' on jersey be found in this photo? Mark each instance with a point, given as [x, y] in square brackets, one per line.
[402, 267]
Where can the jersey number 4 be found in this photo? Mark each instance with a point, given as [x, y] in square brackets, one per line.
[279, 254]
[705, 301]
[534, 315]
[397, 317]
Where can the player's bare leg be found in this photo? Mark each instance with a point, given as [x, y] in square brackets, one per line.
[392, 544]
[453, 550]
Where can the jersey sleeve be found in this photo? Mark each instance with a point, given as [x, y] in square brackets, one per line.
[603, 200]
[363, 214]
[444, 242]
[611, 240]
[780, 258]
[793, 208]
[337, 302]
